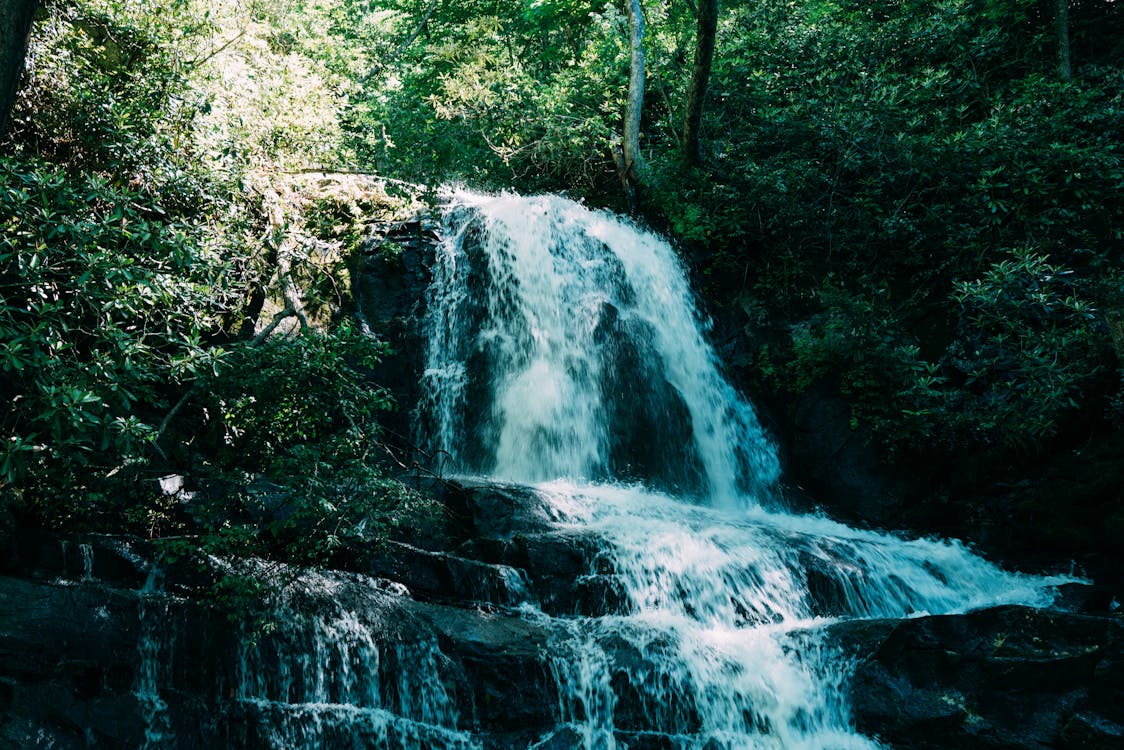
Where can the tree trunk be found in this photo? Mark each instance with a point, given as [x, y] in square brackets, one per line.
[630, 162]
[700, 76]
[15, 25]
[1061, 20]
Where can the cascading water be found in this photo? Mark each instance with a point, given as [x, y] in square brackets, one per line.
[331, 678]
[563, 344]
[565, 352]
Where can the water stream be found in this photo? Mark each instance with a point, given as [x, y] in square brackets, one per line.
[566, 353]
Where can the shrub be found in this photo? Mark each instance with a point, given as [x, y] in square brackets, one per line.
[1028, 346]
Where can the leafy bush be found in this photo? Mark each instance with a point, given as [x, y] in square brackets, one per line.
[291, 391]
[107, 301]
[290, 427]
[858, 341]
[1027, 349]
[134, 249]
[1028, 354]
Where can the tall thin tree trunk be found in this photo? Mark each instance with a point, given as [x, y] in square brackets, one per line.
[700, 76]
[1061, 20]
[15, 25]
[630, 162]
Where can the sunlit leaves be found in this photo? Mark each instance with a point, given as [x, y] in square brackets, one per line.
[104, 303]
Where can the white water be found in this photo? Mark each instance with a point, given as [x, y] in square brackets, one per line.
[566, 352]
[575, 333]
[329, 680]
[153, 647]
[333, 678]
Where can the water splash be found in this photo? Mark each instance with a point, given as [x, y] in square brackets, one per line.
[722, 631]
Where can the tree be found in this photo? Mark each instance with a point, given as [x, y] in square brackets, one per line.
[15, 25]
[1061, 20]
[700, 76]
[630, 162]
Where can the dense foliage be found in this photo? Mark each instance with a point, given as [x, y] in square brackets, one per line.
[910, 204]
[145, 222]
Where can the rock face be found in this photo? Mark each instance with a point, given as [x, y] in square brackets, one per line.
[424, 647]
[1009, 677]
[89, 663]
[100, 648]
[69, 649]
[389, 281]
[840, 464]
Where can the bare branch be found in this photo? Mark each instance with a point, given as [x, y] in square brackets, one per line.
[417, 31]
[288, 312]
[191, 392]
[378, 66]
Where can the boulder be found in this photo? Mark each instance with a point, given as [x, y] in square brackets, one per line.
[68, 664]
[1008, 677]
[389, 279]
[450, 577]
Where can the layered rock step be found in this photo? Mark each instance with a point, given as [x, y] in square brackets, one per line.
[468, 643]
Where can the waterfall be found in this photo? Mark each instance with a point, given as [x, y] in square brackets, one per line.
[153, 645]
[566, 352]
[564, 343]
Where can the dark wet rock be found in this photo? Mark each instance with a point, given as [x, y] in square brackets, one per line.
[79, 656]
[826, 592]
[68, 661]
[489, 550]
[564, 738]
[601, 594]
[510, 529]
[502, 657]
[105, 558]
[507, 551]
[839, 462]
[650, 697]
[1085, 598]
[1009, 677]
[496, 510]
[557, 564]
[656, 741]
[1091, 732]
[447, 576]
[84, 627]
[389, 278]
[649, 427]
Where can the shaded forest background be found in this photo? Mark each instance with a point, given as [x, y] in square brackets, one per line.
[910, 214]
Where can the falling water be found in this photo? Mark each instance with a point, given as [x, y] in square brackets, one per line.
[152, 645]
[332, 678]
[565, 352]
[563, 343]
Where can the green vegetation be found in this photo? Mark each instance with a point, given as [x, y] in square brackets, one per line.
[149, 227]
[912, 202]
